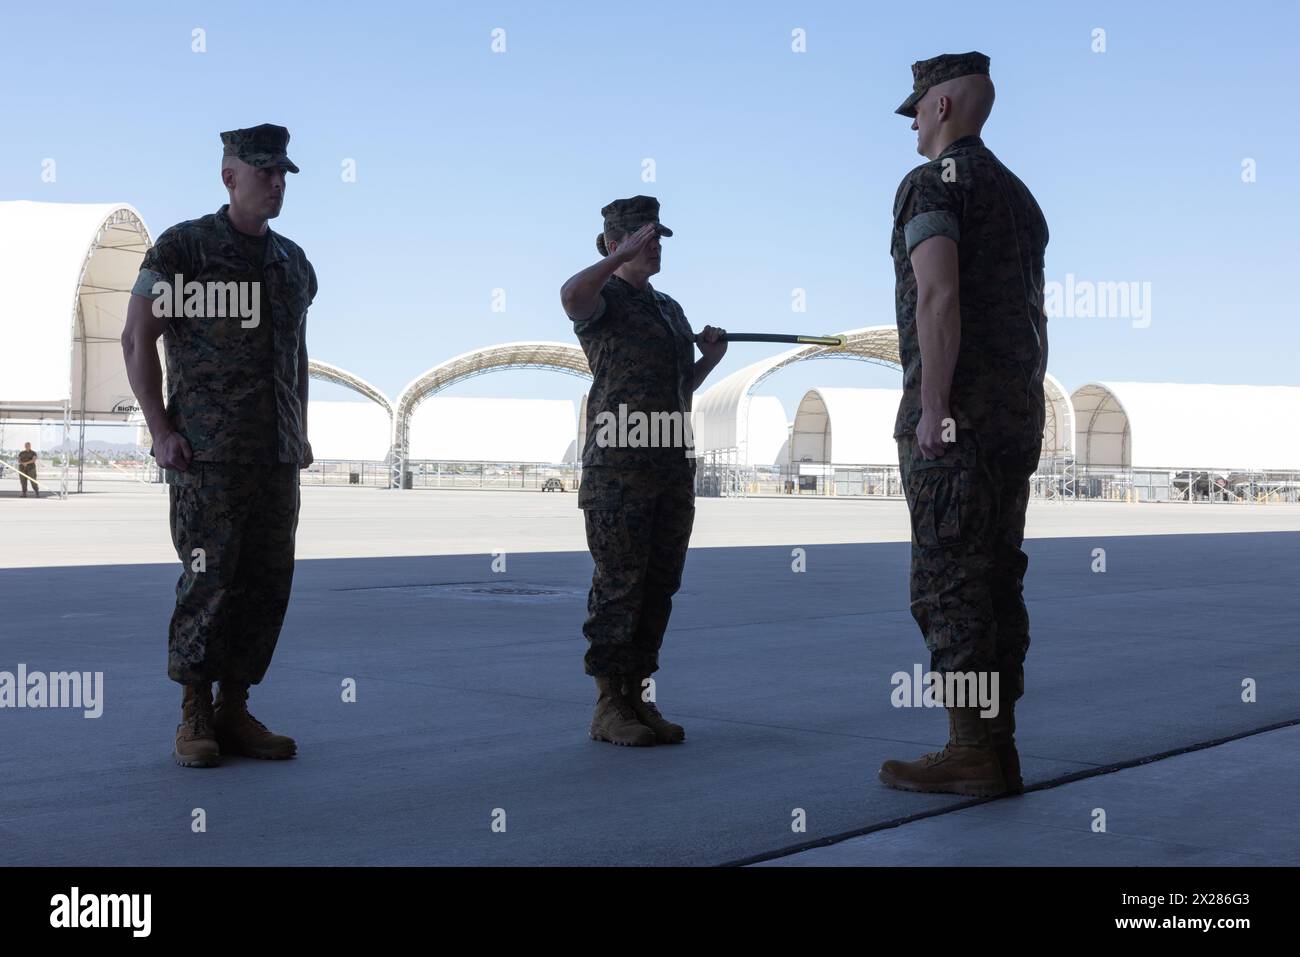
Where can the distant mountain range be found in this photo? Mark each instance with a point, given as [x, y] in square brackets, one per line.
[100, 447]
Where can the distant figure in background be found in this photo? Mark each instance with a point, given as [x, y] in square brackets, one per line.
[27, 470]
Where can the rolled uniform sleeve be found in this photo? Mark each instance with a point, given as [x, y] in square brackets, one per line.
[581, 326]
[928, 206]
[161, 263]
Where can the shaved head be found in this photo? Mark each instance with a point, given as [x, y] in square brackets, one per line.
[971, 97]
[950, 110]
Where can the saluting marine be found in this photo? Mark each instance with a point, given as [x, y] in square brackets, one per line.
[638, 468]
[231, 437]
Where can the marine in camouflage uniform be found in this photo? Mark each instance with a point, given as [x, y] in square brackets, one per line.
[638, 487]
[967, 505]
[27, 470]
[235, 392]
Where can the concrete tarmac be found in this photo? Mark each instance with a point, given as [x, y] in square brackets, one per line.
[126, 523]
[471, 705]
[1241, 796]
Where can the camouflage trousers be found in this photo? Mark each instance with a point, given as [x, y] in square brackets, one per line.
[27, 473]
[967, 577]
[638, 529]
[233, 527]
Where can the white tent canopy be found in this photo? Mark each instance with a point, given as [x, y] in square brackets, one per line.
[558, 356]
[721, 416]
[846, 427]
[448, 428]
[66, 270]
[1173, 425]
[769, 430]
[722, 411]
[473, 429]
[358, 431]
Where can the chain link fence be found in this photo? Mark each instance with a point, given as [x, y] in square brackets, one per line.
[491, 475]
[1058, 479]
[1189, 486]
[719, 475]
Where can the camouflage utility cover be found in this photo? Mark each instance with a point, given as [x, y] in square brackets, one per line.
[941, 69]
[264, 145]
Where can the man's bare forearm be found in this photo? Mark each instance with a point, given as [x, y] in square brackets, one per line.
[304, 382]
[580, 294]
[1042, 338]
[938, 327]
[144, 372]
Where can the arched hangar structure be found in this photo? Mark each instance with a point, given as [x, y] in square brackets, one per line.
[66, 271]
[349, 420]
[865, 433]
[556, 356]
[721, 420]
[1155, 425]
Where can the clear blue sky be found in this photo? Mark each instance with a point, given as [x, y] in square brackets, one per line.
[777, 170]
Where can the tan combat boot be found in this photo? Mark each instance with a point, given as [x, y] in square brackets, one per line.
[1003, 730]
[968, 764]
[648, 714]
[240, 733]
[614, 720]
[196, 743]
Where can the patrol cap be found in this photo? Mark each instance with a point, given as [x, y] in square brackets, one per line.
[263, 145]
[627, 216]
[941, 69]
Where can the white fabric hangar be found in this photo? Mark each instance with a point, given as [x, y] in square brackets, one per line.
[354, 431]
[478, 429]
[66, 272]
[557, 356]
[722, 412]
[769, 431]
[1157, 425]
[846, 427]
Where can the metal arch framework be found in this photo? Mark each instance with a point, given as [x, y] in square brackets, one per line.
[726, 403]
[332, 373]
[555, 356]
[878, 344]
